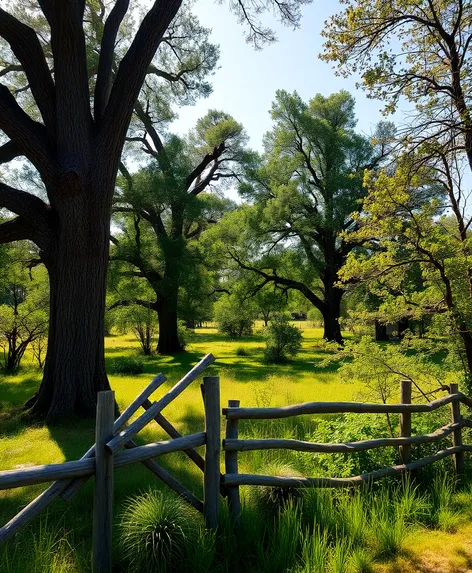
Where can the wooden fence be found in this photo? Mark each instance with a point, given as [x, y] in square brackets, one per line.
[115, 447]
[232, 479]
[107, 454]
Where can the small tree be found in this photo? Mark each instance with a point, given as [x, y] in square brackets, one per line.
[141, 320]
[234, 317]
[283, 340]
[23, 305]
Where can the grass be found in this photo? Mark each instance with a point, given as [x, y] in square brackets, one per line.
[320, 531]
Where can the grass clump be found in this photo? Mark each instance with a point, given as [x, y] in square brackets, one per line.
[156, 532]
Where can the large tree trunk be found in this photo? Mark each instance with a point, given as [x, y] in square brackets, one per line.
[168, 342]
[332, 308]
[75, 363]
[332, 330]
[381, 334]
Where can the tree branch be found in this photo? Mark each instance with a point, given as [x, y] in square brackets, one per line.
[27, 135]
[289, 283]
[105, 63]
[15, 230]
[133, 70]
[9, 151]
[26, 46]
[209, 157]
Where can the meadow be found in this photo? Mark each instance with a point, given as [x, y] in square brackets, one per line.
[394, 527]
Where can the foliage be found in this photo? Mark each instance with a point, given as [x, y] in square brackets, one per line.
[234, 317]
[155, 531]
[24, 302]
[301, 196]
[141, 320]
[126, 365]
[283, 340]
[414, 257]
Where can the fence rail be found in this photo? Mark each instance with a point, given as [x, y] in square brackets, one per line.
[232, 479]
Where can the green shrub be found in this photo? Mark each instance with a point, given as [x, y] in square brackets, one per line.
[126, 365]
[241, 351]
[185, 334]
[233, 317]
[156, 532]
[283, 340]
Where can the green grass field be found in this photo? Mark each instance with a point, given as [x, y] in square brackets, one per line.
[243, 375]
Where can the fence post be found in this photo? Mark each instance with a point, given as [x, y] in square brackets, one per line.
[457, 435]
[405, 421]
[231, 467]
[103, 500]
[211, 477]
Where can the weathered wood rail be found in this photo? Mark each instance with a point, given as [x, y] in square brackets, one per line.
[107, 454]
[232, 479]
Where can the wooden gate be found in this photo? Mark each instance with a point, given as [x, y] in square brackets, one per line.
[115, 447]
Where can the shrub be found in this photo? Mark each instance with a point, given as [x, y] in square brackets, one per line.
[233, 317]
[156, 532]
[126, 365]
[185, 334]
[241, 351]
[282, 340]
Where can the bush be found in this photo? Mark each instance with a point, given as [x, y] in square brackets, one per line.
[185, 334]
[126, 365]
[156, 532]
[282, 340]
[234, 318]
[241, 351]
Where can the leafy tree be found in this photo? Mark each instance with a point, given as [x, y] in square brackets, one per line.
[403, 221]
[269, 302]
[234, 317]
[54, 57]
[171, 206]
[417, 50]
[141, 320]
[23, 306]
[283, 340]
[303, 196]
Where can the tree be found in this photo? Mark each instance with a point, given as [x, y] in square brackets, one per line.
[234, 316]
[418, 50]
[403, 222]
[172, 206]
[74, 141]
[304, 194]
[23, 306]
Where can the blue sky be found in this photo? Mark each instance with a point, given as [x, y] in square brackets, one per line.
[246, 82]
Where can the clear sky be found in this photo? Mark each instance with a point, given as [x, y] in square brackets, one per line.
[246, 82]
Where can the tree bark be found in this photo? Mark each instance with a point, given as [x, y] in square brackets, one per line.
[381, 334]
[168, 342]
[75, 363]
[331, 314]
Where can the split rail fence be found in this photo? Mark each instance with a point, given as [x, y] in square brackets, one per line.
[115, 447]
[232, 445]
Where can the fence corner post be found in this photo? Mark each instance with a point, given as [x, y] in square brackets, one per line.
[405, 421]
[211, 478]
[103, 499]
[231, 467]
[457, 435]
